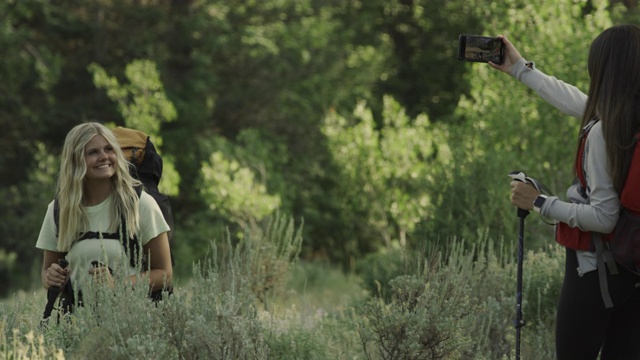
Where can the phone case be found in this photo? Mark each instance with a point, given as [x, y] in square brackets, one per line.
[477, 48]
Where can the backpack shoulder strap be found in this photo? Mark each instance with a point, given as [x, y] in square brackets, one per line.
[604, 256]
[580, 158]
[56, 214]
[131, 244]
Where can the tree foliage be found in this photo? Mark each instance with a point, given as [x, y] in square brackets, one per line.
[387, 173]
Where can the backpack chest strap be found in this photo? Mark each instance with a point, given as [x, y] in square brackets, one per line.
[98, 235]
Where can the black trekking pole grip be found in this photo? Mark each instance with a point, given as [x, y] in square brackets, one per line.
[53, 292]
[64, 263]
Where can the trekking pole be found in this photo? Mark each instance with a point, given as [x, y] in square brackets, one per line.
[52, 295]
[519, 322]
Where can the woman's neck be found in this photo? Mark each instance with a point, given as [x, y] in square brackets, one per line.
[96, 192]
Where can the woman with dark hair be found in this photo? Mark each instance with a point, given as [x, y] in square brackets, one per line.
[587, 322]
[96, 197]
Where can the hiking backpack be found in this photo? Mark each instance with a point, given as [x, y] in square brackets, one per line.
[622, 245]
[147, 167]
[624, 241]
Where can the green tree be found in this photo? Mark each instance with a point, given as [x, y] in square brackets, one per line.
[387, 174]
[272, 66]
[29, 69]
[234, 191]
[422, 71]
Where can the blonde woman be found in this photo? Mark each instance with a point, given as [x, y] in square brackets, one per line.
[97, 207]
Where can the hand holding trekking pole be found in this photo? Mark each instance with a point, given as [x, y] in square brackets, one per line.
[57, 270]
[57, 274]
[523, 191]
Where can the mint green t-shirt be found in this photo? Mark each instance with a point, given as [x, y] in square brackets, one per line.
[107, 251]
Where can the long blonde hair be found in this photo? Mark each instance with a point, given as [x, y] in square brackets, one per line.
[73, 219]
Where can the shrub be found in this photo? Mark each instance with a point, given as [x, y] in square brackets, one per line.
[27, 347]
[271, 250]
[427, 318]
[315, 318]
[491, 273]
[458, 304]
[483, 275]
[379, 268]
[19, 338]
[213, 316]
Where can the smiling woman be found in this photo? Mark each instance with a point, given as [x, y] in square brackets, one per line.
[99, 211]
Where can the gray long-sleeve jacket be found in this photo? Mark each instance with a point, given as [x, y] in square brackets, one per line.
[599, 211]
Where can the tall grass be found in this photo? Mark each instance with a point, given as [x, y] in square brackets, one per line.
[454, 302]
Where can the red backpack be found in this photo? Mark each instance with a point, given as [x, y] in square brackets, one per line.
[622, 246]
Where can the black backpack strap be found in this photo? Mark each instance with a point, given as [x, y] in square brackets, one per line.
[56, 214]
[131, 244]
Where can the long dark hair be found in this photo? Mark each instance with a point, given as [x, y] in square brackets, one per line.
[614, 94]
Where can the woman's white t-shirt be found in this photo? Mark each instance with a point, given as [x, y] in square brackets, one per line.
[109, 252]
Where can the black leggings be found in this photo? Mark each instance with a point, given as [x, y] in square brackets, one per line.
[584, 326]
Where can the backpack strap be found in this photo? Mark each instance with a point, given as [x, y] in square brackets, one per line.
[130, 244]
[580, 158]
[603, 257]
[98, 235]
[56, 215]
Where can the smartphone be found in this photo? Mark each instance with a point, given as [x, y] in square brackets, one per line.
[480, 48]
